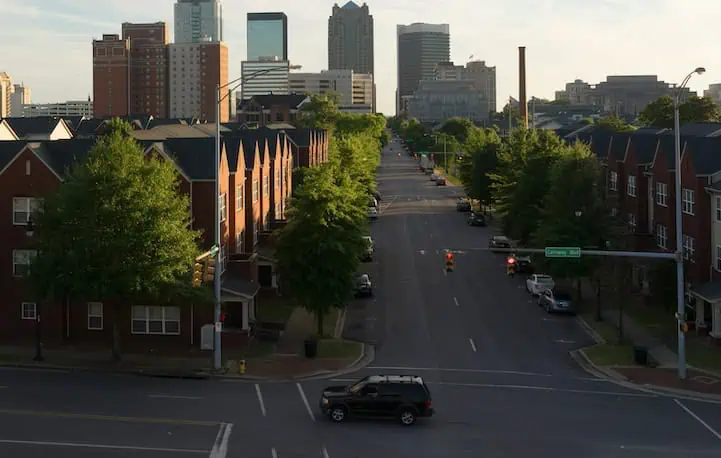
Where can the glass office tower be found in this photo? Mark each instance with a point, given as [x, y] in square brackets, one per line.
[267, 36]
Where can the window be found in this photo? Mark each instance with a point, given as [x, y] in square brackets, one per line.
[240, 241]
[256, 191]
[239, 198]
[265, 186]
[95, 316]
[661, 236]
[661, 194]
[21, 261]
[687, 201]
[223, 258]
[613, 181]
[631, 188]
[614, 211]
[689, 249]
[632, 220]
[718, 258]
[223, 203]
[29, 311]
[718, 209]
[147, 319]
[23, 207]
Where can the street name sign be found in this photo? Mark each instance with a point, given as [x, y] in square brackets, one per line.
[563, 252]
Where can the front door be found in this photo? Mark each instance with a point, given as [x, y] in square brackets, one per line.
[265, 276]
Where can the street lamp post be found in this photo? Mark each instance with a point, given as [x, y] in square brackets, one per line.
[30, 231]
[680, 301]
[219, 97]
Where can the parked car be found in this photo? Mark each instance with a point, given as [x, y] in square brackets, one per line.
[368, 254]
[372, 202]
[499, 241]
[477, 219]
[434, 177]
[404, 397]
[463, 204]
[372, 213]
[440, 181]
[555, 301]
[363, 286]
[538, 283]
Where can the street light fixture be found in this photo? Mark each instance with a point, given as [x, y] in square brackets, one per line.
[219, 97]
[680, 300]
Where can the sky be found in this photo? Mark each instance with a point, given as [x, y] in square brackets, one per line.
[47, 44]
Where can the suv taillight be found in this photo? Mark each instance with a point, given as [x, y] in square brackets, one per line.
[428, 404]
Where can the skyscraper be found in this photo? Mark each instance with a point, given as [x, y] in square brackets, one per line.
[267, 36]
[196, 70]
[111, 76]
[350, 38]
[420, 48]
[148, 68]
[198, 21]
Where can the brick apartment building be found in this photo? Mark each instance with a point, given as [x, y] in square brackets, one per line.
[641, 185]
[266, 110]
[254, 175]
[148, 67]
[111, 76]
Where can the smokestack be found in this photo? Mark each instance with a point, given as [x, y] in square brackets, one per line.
[522, 97]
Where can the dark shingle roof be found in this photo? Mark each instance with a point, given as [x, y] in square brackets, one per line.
[60, 155]
[232, 150]
[10, 149]
[165, 122]
[88, 127]
[250, 140]
[600, 141]
[701, 129]
[33, 126]
[644, 146]
[666, 148]
[272, 136]
[301, 137]
[705, 154]
[619, 144]
[269, 100]
[194, 156]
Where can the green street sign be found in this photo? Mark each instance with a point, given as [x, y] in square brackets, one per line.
[563, 252]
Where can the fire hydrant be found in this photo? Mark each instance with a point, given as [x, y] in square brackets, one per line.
[241, 366]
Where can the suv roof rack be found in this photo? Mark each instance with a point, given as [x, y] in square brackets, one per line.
[382, 378]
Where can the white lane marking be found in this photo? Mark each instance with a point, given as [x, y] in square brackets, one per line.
[472, 371]
[100, 446]
[273, 453]
[473, 344]
[698, 419]
[324, 451]
[260, 399]
[220, 447]
[561, 341]
[455, 300]
[171, 396]
[305, 401]
[527, 388]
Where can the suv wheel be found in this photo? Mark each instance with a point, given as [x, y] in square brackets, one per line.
[407, 416]
[338, 414]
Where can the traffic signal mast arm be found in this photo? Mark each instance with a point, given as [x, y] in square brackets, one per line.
[614, 253]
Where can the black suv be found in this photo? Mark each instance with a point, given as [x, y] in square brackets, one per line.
[405, 397]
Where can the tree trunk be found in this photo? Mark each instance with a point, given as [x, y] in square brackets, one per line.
[319, 317]
[116, 333]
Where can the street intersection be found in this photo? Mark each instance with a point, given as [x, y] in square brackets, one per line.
[498, 368]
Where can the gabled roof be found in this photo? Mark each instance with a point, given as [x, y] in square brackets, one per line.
[61, 155]
[600, 142]
[88, 127]
[644, 147]
[165, 131]
[294, 101]
[154, 122]
[619, 146]
[300, 137]
[8, 151]
[272, 136]
[701, 129]
[250, 141]
[232, 151]
[194, 156]
[705, 154]
[41, 125]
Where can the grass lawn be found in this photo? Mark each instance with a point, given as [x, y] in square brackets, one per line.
[612, 352]
[339, 348]
[274, 310]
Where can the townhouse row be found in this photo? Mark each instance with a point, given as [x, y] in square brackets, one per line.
[641, 185]
[255, 187]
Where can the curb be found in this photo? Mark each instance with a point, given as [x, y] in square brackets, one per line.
[592, 368]
[138, 372]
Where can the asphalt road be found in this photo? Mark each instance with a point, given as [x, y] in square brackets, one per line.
[513, 392]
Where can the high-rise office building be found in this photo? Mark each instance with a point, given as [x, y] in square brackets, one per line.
[20, 98]
[350, 38]
[148, 68]
[421, 47]
[6, 91]
[111, 76]
[355, 90]
[262, 77]
[267, 36]
[196, 69]
[198, 21]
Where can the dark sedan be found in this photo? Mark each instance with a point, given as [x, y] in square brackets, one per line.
[476, 219]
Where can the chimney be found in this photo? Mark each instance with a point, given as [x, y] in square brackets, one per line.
[522, 97]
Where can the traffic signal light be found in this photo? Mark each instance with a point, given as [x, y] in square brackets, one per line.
[511, 260]
[209, 274]
[511, 266]
[683, 327]
[197, 274]
[449, 256]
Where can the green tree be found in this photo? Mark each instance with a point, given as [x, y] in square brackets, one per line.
[522, 179]
[318, 250]
[479, 163]
[321, 112]
[458, 128]
[659, 113]
[574, 212]
[116, 231]
[614, 124]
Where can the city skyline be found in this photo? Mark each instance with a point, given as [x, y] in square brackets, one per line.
[605, 38]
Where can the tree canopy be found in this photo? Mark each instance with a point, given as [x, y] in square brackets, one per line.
[614, 124]
[659, 113]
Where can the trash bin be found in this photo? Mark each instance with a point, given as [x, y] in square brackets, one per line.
[640, 355]
[311, 348]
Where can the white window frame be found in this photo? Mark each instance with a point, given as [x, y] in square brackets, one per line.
[661, 194]
[631, 186]
[689, 247]
[266, 186]
[240, 241]
[223, 203]
[613, 181]
[95, 313]
[142, 314]
[661, 236]
[256, 191]
[239, 195]
[718, 209]
[687, 200]
[22, 258]
[718, 258]
[29, 311]
[23, 208]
